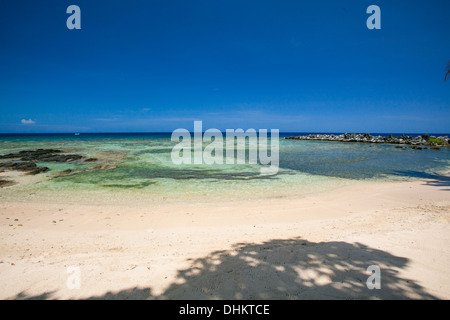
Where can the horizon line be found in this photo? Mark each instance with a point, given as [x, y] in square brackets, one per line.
[170, 132]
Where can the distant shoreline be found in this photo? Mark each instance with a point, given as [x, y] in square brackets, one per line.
[416, 142]
[162, 133]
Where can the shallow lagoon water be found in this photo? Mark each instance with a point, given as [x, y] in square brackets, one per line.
[142, 163]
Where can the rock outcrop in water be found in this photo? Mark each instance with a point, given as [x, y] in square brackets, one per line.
[25, 160]
[26, 166]
[6, 183]
[424, 140]
[44, 155]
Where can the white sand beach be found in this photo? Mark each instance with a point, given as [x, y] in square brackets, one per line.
[315, 246]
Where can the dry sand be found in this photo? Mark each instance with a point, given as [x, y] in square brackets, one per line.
[317, 246]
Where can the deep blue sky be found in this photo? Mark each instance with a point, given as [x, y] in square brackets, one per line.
[157, 65]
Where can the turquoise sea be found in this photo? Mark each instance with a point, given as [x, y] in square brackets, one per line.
[141, 162]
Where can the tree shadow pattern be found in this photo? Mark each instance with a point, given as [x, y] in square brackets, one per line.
[284, 269]
[432, 179]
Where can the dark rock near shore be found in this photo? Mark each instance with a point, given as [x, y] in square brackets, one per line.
[43, 155]
[101, 167]
[6, 183]
[25, 160]
[60, 158]
[30, 154]
[26, 166]
[66, 172]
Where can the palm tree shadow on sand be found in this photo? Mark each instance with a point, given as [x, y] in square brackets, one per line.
[430, 179]
[284, 269]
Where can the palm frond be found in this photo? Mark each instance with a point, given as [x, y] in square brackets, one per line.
[448, 71]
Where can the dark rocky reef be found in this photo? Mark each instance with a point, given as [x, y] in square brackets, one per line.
[43, 155]
[6, 183]
[26, 166]
[415, 142]
[25, 160]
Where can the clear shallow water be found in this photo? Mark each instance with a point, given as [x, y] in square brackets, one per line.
[142, 163]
